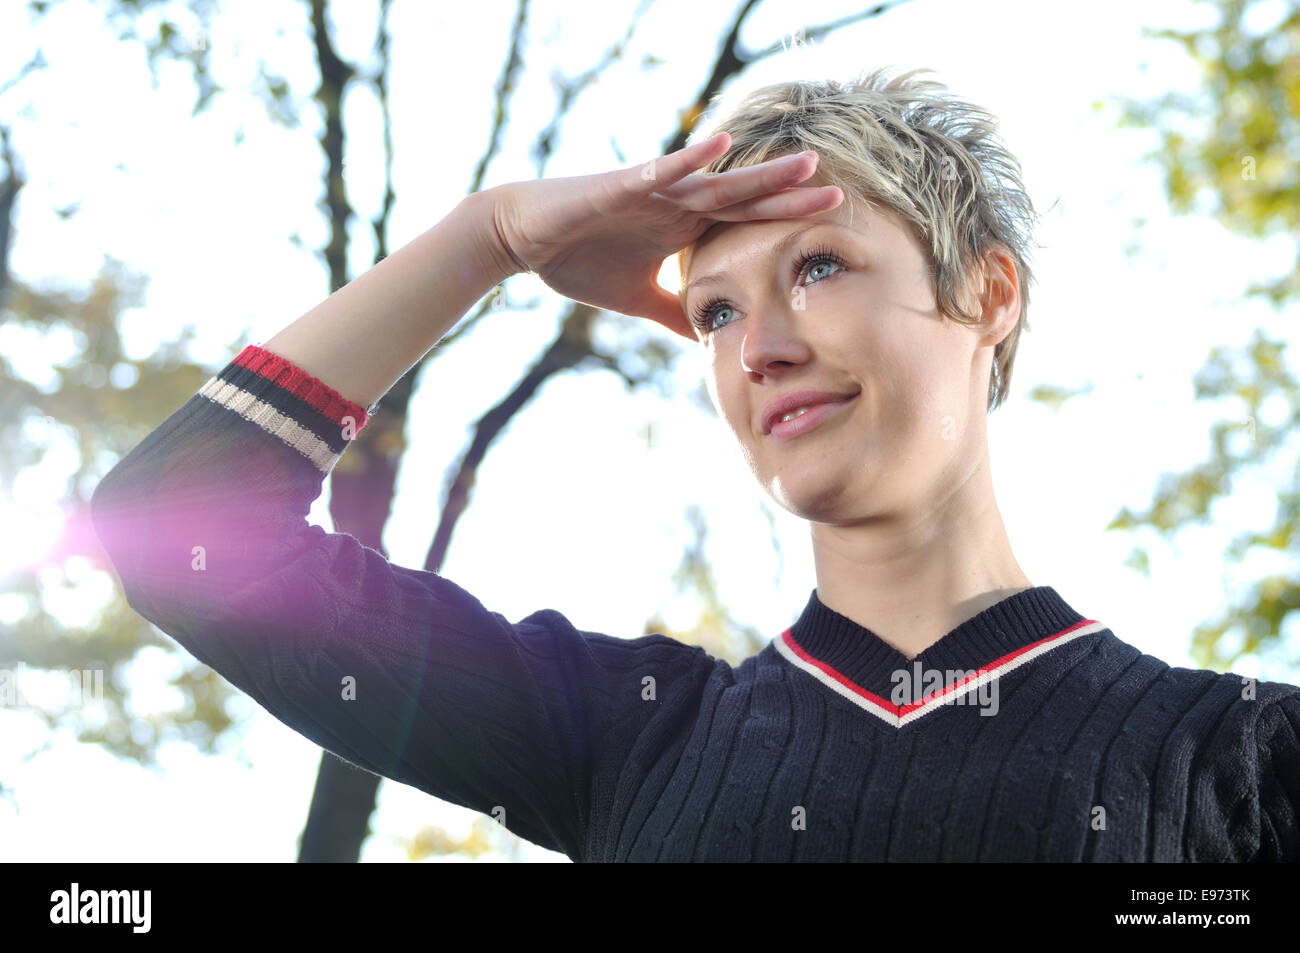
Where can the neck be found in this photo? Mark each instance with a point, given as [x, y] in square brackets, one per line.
[913, 577]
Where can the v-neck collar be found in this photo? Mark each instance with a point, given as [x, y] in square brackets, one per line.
[856, 663]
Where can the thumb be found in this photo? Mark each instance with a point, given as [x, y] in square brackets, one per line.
[662, 306]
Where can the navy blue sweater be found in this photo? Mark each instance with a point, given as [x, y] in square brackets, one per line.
[1027, 733]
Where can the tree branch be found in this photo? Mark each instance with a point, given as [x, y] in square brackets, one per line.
[380, 222]
[10, 186]
[570, 347]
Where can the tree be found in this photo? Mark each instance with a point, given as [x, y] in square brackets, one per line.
[1229, 151]
[362, 485]
[96, 421]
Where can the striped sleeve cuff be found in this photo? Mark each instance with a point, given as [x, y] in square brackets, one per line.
[288, 403]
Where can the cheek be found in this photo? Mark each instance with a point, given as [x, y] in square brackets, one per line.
[905, 378]
[931, 397]
[711, 384]
[733, 412]
[727, 402]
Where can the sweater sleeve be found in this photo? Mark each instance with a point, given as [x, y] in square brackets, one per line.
[1277, 738]
[398, 671]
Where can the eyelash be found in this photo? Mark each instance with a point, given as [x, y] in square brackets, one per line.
[704, 311]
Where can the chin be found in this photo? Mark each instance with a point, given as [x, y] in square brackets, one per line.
[818, 504]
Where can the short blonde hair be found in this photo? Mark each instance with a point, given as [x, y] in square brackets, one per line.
[936, 162]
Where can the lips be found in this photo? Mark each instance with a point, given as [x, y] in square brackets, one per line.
[792, 401]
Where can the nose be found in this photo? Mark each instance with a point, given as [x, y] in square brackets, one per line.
[772, 337]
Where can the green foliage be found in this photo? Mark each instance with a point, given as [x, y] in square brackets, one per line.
[171, 33]
[714, 628]
[92, 420]
[1054, 396]
[1230, 151]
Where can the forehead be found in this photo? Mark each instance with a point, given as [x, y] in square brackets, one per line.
[709, 252]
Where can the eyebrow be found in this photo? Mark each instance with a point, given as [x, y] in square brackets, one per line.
[778, 249]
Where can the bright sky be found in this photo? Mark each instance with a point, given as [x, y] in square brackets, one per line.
[210, 225]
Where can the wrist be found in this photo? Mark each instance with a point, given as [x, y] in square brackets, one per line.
[493, 248]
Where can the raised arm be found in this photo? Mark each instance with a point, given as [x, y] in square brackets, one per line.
[370, 332]
[398, 670]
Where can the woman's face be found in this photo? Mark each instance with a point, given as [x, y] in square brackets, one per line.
[860, 321]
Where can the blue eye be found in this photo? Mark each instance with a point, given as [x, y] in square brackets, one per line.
[705, 311]
[702, 318]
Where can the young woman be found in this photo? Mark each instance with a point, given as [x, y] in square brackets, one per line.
[854, 260]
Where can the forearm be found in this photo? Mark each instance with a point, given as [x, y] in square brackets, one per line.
[365, 336]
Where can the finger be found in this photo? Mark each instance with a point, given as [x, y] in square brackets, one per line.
[790, 203]
[664, 171]
[705, 193]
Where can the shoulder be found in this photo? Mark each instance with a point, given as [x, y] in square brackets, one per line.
[1277, 724]
[1275, 780]
[1153, 673]
[549, 634]
[1226, 707]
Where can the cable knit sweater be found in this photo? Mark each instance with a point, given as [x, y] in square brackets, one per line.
[1028, 733]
